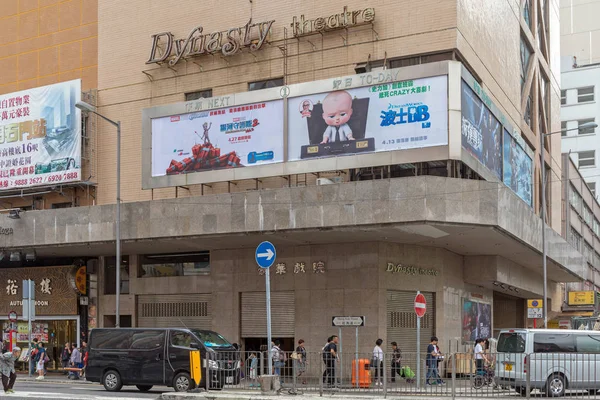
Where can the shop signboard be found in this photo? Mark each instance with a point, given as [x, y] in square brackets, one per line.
[585, 298]
[232, 137]
[481, 131]
[40, 136]
[383, 117]
[54, 294]
[518, 169]
[477, 321]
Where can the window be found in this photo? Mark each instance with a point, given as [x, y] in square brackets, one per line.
[592, 187]
[525, 56]
[185, 264]
[417, 60]
[211, 339]
[587, 158]
[587, 343]
[181, 338]
[575, 239]
[586, 131]
[563, 128]
[111, 339]
[596, 227]
[147, 340]
[269, 83]
[588, 217]
[124, 321]
[575, 199]
[553, 343]
[527, 12]
[588, 252]
[596, 260]
[511, 343]
[563, 97]
[62, 205]
[585, 94]
[110, 277]
[202, 94]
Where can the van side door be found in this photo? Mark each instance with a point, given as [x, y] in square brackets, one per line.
[148, 351]
[178, 353]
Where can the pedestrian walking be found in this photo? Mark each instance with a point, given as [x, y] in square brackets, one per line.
[330, 357]
[7, 368]
[75, 363]
[432, 363]
[33, 353]
[278, 357]
[480, 357]
[65, 356]
[253, 362]
[299, 357]
[396, 361]
[84, 356]
[42, 358]
[377, 362]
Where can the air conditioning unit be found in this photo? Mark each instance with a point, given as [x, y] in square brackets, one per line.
[324, 181]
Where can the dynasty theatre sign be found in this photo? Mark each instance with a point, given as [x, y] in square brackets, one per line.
[229, 42]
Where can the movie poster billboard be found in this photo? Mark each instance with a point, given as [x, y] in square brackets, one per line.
[392, 116]
[477, 321]
[518, 169]
[232, 137]
[40, 136]
[481, 131]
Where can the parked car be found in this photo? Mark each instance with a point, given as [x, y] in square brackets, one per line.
[146, 357]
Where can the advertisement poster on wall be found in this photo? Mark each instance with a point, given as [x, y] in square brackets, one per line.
[481, 131]
[477, 321]
[239, 136]
[394, 116]
[40, 136]
[518, 169]
[39, 331]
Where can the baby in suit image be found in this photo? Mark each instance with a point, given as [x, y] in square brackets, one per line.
[337, 110]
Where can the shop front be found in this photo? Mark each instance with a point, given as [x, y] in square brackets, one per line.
[57, 310]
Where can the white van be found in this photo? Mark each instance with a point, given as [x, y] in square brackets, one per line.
[556, 360]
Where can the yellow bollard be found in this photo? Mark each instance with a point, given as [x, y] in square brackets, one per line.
[195, 367]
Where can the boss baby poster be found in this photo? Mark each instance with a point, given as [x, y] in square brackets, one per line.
[390, 116]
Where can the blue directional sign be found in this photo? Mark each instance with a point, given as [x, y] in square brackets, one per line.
[265, 254]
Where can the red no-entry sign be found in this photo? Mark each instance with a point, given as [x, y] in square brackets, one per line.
[420, 305]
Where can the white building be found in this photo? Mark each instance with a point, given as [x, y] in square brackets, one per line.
[580, 105]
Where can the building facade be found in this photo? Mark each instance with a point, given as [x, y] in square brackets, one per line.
[579, 31]
[380, 158]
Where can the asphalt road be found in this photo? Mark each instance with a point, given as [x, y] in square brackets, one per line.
[49, 390]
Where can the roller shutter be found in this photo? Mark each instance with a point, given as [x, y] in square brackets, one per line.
[402, 321]
[254, 315]
[508, 311]
[174, 310]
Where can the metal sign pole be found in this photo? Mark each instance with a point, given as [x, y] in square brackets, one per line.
[356, 362]
[29, 289]
[341, 353]
[268, 290]
[418, 349]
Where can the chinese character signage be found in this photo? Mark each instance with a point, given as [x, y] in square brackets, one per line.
[54, 292]
[389, 116]
[40, 136]
[581, 298]
[518, 169]
[481, 131]
[232, 137]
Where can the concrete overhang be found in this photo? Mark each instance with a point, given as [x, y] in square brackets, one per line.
[467, 217]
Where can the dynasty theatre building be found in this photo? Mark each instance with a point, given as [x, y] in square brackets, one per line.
[379, 158]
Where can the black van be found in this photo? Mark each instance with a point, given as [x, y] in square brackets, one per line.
[159, 356]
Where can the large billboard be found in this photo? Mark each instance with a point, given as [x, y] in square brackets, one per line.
[518, 169]
[237, 136]
[481, 131]
[40, 136]
[391, 116]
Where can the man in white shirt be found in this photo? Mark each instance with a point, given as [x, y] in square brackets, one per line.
[378, 361]
[337, 110]
[480, 357]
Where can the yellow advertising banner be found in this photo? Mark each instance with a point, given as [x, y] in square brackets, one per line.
[581, 298]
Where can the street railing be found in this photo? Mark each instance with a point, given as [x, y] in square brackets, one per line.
[576, 375]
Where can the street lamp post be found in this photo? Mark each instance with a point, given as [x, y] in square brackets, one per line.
[543, 212]
[85, 107]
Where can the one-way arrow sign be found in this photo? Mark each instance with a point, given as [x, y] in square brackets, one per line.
[348, 321]
[265, 254]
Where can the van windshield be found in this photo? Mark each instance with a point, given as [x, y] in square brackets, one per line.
[212, 339]
[511, 342]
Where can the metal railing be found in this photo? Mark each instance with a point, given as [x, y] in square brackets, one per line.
[456, 375]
